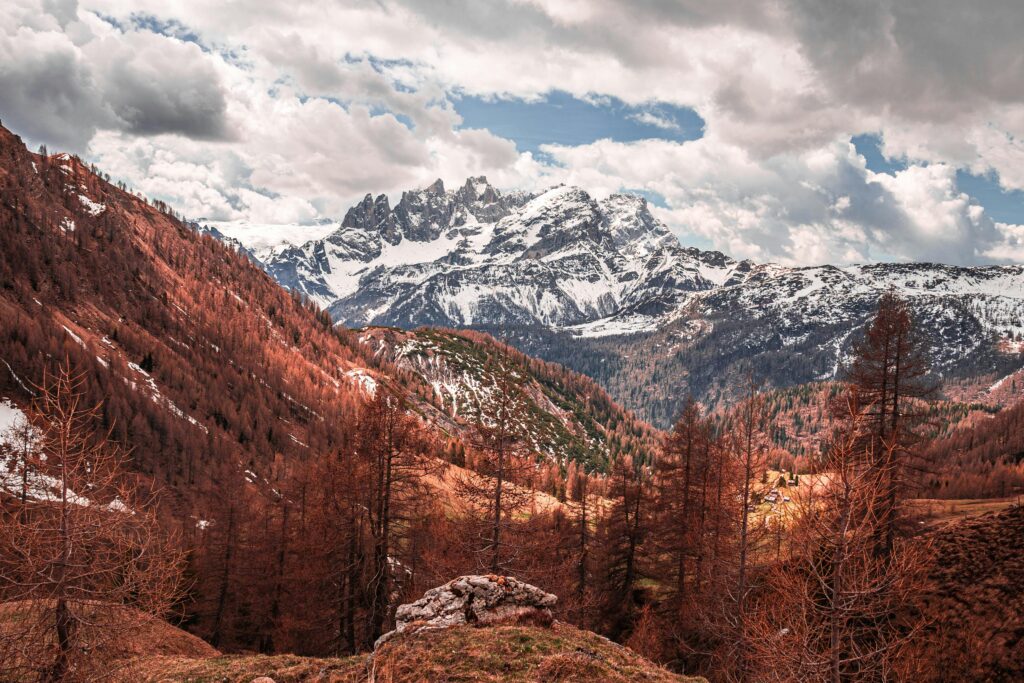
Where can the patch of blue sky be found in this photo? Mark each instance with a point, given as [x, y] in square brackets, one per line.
[113, 21]
[381, 110]
[380, 64]
[171, 28]
[1005, 206]
[562, 119]
[653, 198]
[869, 146]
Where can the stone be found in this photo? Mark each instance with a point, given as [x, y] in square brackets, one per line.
[482, 600]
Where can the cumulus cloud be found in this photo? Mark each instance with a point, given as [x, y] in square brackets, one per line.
[922, 59]
[49, 94]
[288, 112]
[153, 84]
[297, 158]
[820, 206]
[64, 75]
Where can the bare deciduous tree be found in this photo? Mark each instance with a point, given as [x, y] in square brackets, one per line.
[83, 560]
[736, 552]
[621, 532]
[890, 371]
[836, 610]
[502, 459]
[390, 441]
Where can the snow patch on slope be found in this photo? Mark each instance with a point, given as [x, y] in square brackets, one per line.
[10, 415]
[91, 207]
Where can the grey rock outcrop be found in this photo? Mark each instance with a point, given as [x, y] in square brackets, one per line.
[482, 600]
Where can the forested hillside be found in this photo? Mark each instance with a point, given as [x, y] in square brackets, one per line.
[270, 437]
[802, 422]
[203, 365]
[568, 418]
[984, 457]
[206, 364]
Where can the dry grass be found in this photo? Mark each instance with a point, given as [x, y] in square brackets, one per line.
[245, 668]
[975, 606]
[935, 512]
[148, 635]
[513, 653]
[107, 639]
[445, 482]
[929, 512]
[462, 654]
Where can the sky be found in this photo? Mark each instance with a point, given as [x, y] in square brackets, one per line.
[793, 131]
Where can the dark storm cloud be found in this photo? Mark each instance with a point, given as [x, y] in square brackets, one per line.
[48, 94]
[154, 85]
[920, 58]
[61, 86]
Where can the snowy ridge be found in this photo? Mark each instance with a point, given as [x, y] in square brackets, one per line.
[473, 256]
[563, 260]
[608, 272]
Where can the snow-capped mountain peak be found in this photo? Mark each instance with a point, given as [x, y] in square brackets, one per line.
[567, 263]
[474, 255]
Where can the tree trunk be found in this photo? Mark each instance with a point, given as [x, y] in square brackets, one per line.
[267, 641]
[348, 612]
[496, 525]
[225, 579]
[63, 618]
[581, 567]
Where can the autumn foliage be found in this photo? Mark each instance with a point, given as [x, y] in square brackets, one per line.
[84, 561]
[309, 485]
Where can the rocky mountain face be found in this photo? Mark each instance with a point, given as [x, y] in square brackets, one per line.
[603, 287]
[474, 256]
[790, 326]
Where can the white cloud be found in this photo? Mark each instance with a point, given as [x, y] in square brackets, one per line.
[64, 75]
[288, 112]
[1012, 248]
[651, 119]
[816, 207]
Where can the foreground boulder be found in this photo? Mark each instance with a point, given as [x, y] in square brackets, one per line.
[441, 640]
[481, 600]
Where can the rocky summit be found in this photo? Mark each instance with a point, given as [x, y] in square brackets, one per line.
[476, 256]
[603, 287]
